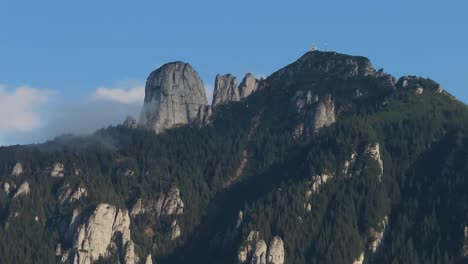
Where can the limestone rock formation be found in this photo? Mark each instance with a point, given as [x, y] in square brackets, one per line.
[106, 229]
[22, 190]
[6, 187]
[315, 186]
[248, 85]
[276, 251]
[129, 256]
[360, 259]
[175, 230]
[57, 170]
[465, 244]
[313, 113]
[130, 122]
[259, 253]
[323, 114]
[347, 173]
[373, 151]
[376, 236]
[17, 169]
[255, 251]
[167, 204]
[69, 195]
[226, 90]
[204, 116]
[174, 94]
[149, 259]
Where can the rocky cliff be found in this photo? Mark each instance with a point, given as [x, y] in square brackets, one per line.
[174, 94]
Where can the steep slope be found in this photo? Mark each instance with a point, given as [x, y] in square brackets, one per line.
[328, 161]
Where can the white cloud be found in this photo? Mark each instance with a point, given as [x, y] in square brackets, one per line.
[134, 95]
[20, 108]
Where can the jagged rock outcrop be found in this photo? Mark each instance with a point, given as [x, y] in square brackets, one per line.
[174, 94]
[225, 90]
[69, 195]
[360, 259]
[373, 151]
[130, 122]
[276, 251]
[6, 187]
[204, 116]
[105, 231]
[248, 85]
[313, 113]
[376, 235]
[347, 173]
[169, 203]
[323, 114]
[464, 252]
[315, 186]
[57, 170]
[22, 190]
[129, 256]
[17, 169]
[255, 251]
[175, 231]
[259, 253]
[149, 259]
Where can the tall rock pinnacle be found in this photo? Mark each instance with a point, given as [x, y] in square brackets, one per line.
[174, 94]
[225, 90]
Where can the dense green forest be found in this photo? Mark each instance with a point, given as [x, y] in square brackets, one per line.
[422, 192]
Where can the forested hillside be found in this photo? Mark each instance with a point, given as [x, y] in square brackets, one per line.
[328, 161]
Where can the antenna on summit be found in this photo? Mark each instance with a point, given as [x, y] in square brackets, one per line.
[314, 47]
[325, 46]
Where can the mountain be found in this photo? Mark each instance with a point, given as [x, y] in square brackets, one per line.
[325, 161]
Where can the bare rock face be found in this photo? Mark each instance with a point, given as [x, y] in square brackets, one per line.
[204, 116]
[276, 251]
[17, 169]
[57, 170]
[248, 85]
[174, 94]
[23, 190]
[255, 251]
[376, 235]
[313, 113]
[149, 259]
[360, 259]
[130, 122]
[259, 253]
[323, 115]
[129, 256]
[465, 244]
[6, 187]
[107, 228]
[175, 231]
[315, 186]
[69, 195]
[166, 204]
[226, 90]
[373, 151]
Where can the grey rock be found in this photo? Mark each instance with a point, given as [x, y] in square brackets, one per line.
[175, 231]
[376, 235]
[130, 122]
[97, 236]
[321, 115]
[57, 170]
[69, 195]
[204, 116]
[275, 253]
[248, 85]
[17, 169]
[149, 259]
[166, 204]
[22, 190]
[226, 90]
[174, 94]
[6, 187]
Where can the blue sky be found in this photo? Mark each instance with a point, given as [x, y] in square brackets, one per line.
[71, 64]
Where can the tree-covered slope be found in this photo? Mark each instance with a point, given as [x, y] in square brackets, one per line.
[336, 159]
